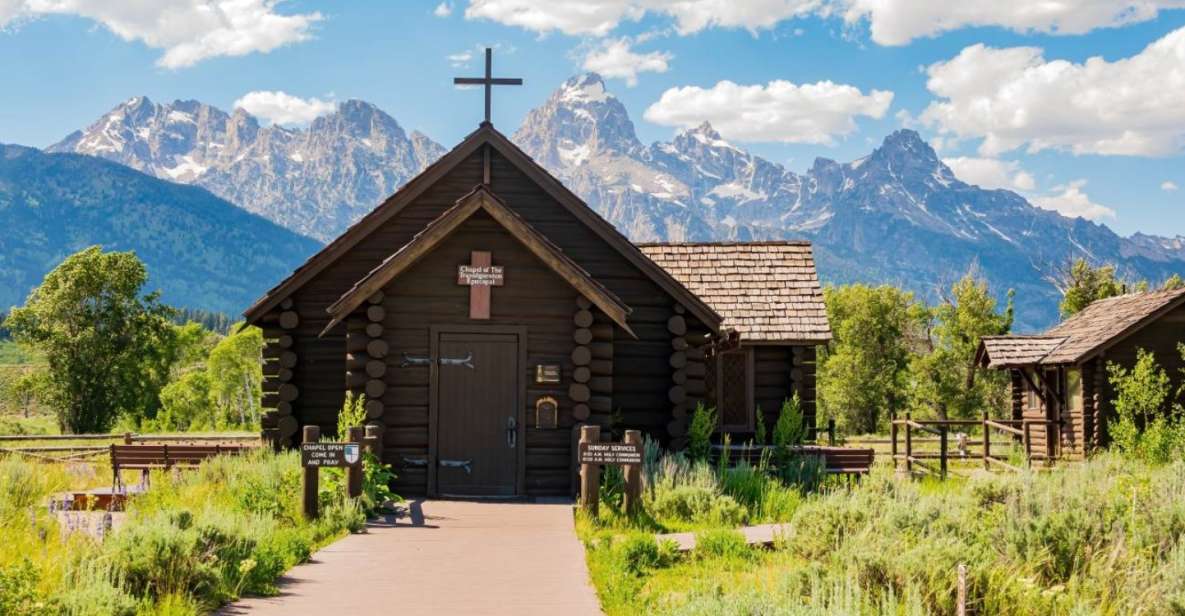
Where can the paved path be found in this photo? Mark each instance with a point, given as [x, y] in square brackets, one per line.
[450, 557]
[762, 534]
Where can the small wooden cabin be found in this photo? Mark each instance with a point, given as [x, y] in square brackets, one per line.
[1061, 375]
[486, 312]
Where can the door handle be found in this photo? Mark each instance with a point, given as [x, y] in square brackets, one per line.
[511, 432]
[461, 464]
[466, 361]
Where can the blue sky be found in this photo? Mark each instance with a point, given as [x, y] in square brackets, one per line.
[1081, 107]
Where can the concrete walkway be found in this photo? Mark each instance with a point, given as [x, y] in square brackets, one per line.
[444, 557]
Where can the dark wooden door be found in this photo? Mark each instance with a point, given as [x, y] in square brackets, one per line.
[477, 414]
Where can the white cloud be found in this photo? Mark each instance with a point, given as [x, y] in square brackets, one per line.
[897, 22]
[599, 17]
[778, 111]
[1168, 186]
[188, 31]
[283, 108]
[444, 9]
[458, 60]
[1012, 97]
[615, 59]
[1072, 202]
[991, 172]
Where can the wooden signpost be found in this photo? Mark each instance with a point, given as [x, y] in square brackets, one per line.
[592, 454]
[314, 455]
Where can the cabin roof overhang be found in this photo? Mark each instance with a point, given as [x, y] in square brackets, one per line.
[1082, 337]
[480, 200]
[483, 136]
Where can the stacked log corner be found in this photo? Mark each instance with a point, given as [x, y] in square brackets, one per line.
[280, 394]
[591, 390]
[366, 359]
[689, 344]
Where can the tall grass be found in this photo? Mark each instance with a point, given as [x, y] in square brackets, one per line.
[1099, 537]
[195, 540]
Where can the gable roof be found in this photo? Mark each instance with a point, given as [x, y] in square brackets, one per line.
[769, 292]
[480, 199]
[1084, 335]
[484, 135]
[1015, 351]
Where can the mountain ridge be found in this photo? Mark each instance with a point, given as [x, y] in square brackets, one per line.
[897, 215]
[200, 251]
[315, 181]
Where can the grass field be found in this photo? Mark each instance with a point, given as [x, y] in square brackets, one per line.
[195, 540]
[1099, 537]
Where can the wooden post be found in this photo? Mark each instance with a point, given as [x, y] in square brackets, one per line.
[310, 485]
[127, 438]
[633, 476]
[961, 605]
[354, 471]
[942, 449]
[831, 431]
[893, 440]
[908, 447]
[1028, 443]
[373, 441]
[590, 474]
[987, 442]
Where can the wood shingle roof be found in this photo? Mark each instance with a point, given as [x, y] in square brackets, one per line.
[769, 292]
[1083, 335]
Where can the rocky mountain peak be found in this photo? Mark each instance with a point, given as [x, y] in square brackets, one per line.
[316, 180]
[583, 89]
[580, 120]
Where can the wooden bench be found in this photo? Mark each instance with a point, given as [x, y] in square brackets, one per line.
[844, 460]
[146, 458]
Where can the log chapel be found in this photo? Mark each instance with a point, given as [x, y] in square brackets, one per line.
[486, 312]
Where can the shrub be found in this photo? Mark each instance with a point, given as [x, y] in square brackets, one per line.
[699, 433]
[640, 552]
[352, 414]
[698, 505]
[721, 543]
[1149, 424]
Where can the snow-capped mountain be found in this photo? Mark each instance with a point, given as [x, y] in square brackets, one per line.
[315, 181]
[898, 215]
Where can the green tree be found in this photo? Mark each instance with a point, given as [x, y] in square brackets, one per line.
[1082, 284]
[235, 370]
[945, 381]
[864, 370]
[1172, 283]
[218, 390]
[1149, 423]
[109, 348]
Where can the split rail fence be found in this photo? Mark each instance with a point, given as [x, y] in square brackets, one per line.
[74, 447]
[908, 457]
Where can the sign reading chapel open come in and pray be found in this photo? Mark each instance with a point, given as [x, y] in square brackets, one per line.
[329, 454]
[610, 453]
[479, 275]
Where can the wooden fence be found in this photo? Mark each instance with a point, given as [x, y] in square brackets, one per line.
[907, 457]
[42, 447]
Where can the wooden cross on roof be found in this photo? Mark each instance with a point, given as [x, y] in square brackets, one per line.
[488, 81]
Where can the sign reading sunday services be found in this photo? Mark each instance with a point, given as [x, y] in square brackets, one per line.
[611, 453]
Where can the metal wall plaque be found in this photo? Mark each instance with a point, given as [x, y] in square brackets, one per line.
[546, 413]
[330, 454]
[547, 373]
[610, 453]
